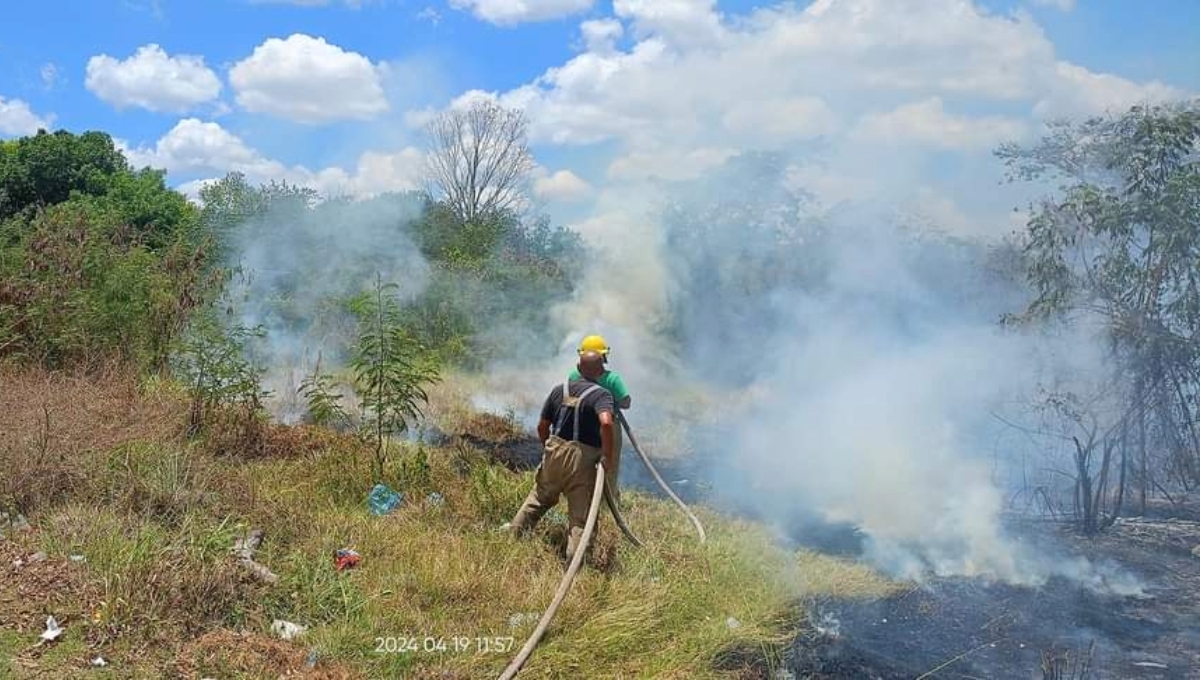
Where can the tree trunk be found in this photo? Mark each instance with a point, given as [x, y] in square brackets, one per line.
[1145, 472]
[1083, 487]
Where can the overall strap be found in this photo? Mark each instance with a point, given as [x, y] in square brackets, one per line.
[575, 403]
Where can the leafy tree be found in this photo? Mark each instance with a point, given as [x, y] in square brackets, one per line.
[45, 169]
[1121, 243]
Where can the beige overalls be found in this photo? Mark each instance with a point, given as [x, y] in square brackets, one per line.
[567, 468]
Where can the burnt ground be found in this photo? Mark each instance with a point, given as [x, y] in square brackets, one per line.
[965, 628]
[969, 628]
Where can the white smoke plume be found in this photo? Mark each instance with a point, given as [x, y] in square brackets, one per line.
[300, 263]
[857, 388]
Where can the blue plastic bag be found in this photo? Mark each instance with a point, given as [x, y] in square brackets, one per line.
[383, 500]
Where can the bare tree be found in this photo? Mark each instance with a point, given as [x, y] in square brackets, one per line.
[478, 159]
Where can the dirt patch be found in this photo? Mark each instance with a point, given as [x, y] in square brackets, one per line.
[229, 653]
[34, 587]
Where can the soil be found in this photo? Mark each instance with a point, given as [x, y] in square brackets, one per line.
[969, 628]
[972, 628]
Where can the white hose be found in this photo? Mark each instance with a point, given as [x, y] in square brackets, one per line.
[658, 478]
[576, 560]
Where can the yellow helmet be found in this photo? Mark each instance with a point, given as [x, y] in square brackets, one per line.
[594, 343]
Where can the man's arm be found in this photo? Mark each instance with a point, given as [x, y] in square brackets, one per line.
[543, 430]
[606, 438]
[619, 391]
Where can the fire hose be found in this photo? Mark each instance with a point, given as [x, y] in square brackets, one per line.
[576, 560]
[658, 478]
[600, 490]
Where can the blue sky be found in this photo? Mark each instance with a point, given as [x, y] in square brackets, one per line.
[664, 88]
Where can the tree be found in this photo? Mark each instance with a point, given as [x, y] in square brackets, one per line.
[1121, 244]
[478, 160]
[44, 169]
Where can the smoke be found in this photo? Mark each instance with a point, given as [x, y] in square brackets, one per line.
[839, 365]
[300, 261]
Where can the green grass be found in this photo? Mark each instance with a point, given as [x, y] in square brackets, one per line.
[156, 521]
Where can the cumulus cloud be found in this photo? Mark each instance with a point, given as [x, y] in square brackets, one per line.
[1076, 91]
[562, 185]
[601, 35]
[691, 71]
[152, 79]
[308, 80]
[683, 21]
[511, 12]
[797, 117]
[927, 122]
[882, 86]
[17, 119]
[198, 148]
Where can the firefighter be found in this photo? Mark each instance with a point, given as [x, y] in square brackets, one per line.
[576, 429]
[611, 381]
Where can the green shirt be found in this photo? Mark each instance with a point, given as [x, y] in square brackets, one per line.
[609, 381]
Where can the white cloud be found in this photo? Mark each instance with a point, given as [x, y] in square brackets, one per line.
[696, 86]
[601, 35]
[1075, 90]
[194, 147]
[511, 12]
[786, 118]
[926, 122]
[306, 79]
[17, 119]
[760, 77]
[668, 163]
[152, 79]
[562, 185]
[682, 21]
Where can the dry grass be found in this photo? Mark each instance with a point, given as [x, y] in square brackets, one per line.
[51, 424]
[160, 594]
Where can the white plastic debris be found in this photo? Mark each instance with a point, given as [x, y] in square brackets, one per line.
[38, 556]
[77, 558]
[52, 630]
[516, 620]
[732, 623]
[286, 629]
[1196, 552]
[99, 662]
